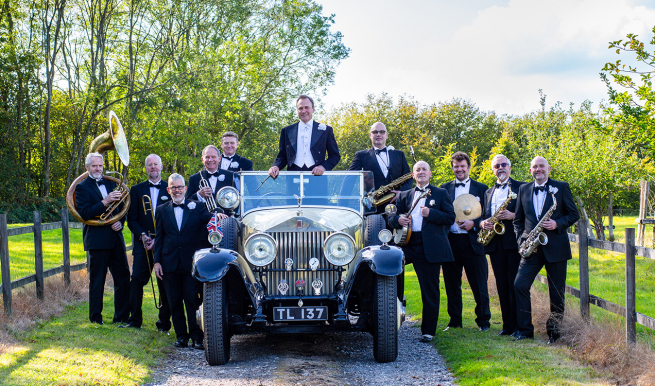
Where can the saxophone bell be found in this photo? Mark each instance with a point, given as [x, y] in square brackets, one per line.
[499, 228]
[542, 238]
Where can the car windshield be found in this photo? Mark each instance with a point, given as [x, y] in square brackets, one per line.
[335, 189]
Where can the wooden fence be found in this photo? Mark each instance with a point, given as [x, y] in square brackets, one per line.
[39, 274]
[630, 250]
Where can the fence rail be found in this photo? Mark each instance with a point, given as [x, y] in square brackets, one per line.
[38, 277]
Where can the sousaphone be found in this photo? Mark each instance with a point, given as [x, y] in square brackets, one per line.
[113, 139]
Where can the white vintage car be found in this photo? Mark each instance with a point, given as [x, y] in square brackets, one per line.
[302, 254]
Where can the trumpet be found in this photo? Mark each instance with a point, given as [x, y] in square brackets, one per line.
[210, 201]
[150, 255]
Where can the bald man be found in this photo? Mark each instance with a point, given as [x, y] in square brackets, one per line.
[534, 201]
[386, 163]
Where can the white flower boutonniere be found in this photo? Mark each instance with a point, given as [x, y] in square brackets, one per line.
[322, 127]
[391, 148]
[477, 198]
[221, 177]
[552, 190]
[164, 198]
[431, 202]
[234, 164]
[191, 205]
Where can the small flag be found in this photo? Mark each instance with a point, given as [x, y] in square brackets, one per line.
[214, 226]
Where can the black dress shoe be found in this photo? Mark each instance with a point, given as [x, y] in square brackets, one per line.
[552, 339]
[505, 332]
[129, 325]
[483, 328]
[519, 336]
[448, 327]
[515, 334]
[100, 322]
[163, 331]
[181, 343]
[197, 345]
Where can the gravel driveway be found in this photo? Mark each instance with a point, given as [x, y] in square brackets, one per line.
[309, 359]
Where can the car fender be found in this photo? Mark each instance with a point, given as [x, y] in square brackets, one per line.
[211, 265]
[383, 260]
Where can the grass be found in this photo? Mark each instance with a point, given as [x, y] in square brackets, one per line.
[21, 250]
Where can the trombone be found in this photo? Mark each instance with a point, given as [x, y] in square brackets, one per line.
[147, 206]
[210, 201]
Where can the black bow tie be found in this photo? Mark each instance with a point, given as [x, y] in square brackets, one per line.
[158, 185]
[538, 189]
[422, 190]
[215, 174]
[378, 151]
[228, 158]
[176, 205]
[501, 186]
[100, 182]
[458, 184]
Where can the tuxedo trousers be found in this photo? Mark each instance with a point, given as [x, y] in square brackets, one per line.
[114, 260]
[141, 275]
[182, 291]
[428, 280]
[556, 274]
[477, 273]
[505, 264]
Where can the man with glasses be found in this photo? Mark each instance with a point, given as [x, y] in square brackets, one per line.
[143, 231]
[503, 249]
[386, 163]
[181, 231]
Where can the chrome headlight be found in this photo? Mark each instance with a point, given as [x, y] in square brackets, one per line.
[227, 197]
[339, 248]
[260, 249]
[215, 239]
[385, 236]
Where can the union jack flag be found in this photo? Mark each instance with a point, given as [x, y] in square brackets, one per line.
[214, 226]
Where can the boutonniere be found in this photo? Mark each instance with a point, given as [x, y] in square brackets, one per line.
[221, 177]
[164, 198]
[552, 190]
[431, 202]
[322, 127]
[191, 205]
[477, 198]
[391, 148]
[234, 164]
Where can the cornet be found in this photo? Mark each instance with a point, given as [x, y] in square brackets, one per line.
[210, 201]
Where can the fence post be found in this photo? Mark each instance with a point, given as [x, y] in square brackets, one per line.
[38, 254]
[610, 217]
[4, 265]
[630, 287]
[583, 253]
[643, 204]
[65, 241]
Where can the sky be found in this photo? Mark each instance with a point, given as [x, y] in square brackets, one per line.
[496, 54]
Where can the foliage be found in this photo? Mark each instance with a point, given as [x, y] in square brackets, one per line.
[50, 209]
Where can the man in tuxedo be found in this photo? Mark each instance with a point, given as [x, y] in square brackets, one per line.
[143, 230]
[181, 229]
[534, 201]
[428, 247]
[503, 249]
[230, 160]
[386, 164]
[216, 177]
[468, 253]
[304, 145]
[105, 244]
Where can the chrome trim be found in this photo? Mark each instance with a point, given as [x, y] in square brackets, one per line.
[245, 249]
[337, 234]
[227, 188]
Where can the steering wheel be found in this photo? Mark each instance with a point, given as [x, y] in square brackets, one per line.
[268, 199]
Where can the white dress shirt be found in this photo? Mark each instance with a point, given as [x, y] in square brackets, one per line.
[538, 200]
[499, 196]
[383, 161]
[103, 189]
[212, 180]
[225, 163]
[179, 213]
[459, 190]
[154, 195]
[417, 219]
[303, 143]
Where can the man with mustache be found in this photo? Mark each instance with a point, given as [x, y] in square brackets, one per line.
[534, 201]
[503, 249]
[105, 244]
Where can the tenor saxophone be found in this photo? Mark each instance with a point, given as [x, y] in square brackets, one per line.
[485, 235]
[384, 194]
[536, 236]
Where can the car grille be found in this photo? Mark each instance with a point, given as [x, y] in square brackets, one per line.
[300, 246]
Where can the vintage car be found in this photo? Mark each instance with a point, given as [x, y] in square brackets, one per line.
[301, 254]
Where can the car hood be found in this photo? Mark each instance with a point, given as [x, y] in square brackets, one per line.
[310, 220]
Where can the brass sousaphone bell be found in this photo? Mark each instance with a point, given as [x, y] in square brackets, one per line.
[113, 139]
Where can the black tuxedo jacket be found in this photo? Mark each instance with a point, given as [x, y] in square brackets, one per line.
[194, 182]
[137, 220]
[566, 214]
[366, 160]
[88, 202]
[175, 248]
[322, 142]
[508, 239]
[435, 227]
[240, 163]
[477, 189]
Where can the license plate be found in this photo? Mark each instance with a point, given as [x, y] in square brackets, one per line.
[285, 314]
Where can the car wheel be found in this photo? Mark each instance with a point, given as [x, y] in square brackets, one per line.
[385, 329]
[374, 224]
[230, 230]
[217, 337]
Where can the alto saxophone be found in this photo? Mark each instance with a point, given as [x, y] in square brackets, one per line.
[384, 194]
[485, 235]
[536, 236]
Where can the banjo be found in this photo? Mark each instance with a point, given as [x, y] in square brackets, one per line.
[401, 236]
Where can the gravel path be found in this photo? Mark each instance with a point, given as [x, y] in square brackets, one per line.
[309, 359]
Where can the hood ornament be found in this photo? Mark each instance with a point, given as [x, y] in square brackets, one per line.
[299, 203]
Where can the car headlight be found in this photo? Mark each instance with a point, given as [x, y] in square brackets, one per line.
[339, 248]
[260, 249]
[227, 197]
[215, 239]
